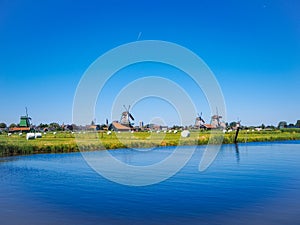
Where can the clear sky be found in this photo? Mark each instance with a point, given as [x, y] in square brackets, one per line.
[253, 48]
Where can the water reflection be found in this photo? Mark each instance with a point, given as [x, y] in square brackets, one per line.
[8, 159]
[63, 189]
[237, 153]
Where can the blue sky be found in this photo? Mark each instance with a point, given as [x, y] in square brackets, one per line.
[253, 48]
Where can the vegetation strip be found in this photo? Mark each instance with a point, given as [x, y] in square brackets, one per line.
[66, 142]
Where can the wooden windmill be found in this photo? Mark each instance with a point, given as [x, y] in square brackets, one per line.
[199, 121]
[216, 121]
[126, 117]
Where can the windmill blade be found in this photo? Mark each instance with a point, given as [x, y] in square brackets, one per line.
[218, 117]
[239, 122]
[200, 117]
[131, 117]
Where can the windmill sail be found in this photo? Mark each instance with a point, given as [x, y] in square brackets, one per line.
[131, 117]
[126, 117]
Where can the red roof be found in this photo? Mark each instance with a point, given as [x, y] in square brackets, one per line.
[209, 126]
[19, 129]
[120, 127]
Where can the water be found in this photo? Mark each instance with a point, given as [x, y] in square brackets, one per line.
[258, 183]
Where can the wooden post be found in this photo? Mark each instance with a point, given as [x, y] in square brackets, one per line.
[236, 134]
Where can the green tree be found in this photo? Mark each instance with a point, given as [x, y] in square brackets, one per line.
[282, 124]
[43, 125]
[55, 126]
[12, 125]
[232, 124]
[3, 125]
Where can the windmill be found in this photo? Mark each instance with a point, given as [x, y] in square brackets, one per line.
[126, 117]
[216, 122]
[238, 123]
[199, 120]
[24, 125]
[25, 120]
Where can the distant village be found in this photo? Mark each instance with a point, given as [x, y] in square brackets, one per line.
[126, 124]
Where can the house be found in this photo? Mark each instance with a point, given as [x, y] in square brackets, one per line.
[93, 127]
[208, 126]
[116, 126]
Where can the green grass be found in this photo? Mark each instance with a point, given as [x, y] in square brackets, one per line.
[67, 142]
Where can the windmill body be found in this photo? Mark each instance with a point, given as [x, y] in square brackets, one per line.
[126, 117]
[199, 121]
[24, 125]
[217, 122]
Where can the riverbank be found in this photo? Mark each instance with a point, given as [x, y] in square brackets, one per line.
[62, 142]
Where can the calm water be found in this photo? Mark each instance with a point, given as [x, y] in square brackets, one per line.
[258, 184]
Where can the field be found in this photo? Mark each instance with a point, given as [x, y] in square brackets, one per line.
[72, 142]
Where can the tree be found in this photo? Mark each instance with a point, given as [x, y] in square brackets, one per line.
[42, 126]
[232, 124]
[54, 126]
[3, 125]
[263, 126]
[297, 124]
[282, 124]
[69, 127]
[12, 125]
[270, 127]
[75, 127]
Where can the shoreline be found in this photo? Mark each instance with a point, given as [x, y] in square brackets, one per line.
[66, 142]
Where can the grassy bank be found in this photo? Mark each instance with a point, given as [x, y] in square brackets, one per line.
[68, 142]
